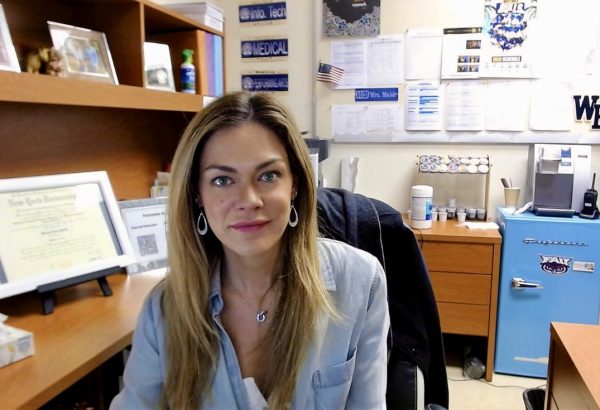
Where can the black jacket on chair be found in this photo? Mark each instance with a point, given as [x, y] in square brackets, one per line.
[378, 228]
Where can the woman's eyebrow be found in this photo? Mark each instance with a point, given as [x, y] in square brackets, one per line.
[227, 168]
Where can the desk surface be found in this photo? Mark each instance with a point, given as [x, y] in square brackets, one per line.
[582, 343]
[85, 330]
[452, 231]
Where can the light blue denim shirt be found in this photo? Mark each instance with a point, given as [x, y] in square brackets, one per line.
[346, 364]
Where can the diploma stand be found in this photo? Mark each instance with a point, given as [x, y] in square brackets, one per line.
[46, 292]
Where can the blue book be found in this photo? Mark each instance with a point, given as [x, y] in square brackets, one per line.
[218, 65]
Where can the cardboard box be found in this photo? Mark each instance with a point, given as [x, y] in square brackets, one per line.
[15, 344]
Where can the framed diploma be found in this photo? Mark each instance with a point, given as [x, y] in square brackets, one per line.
[146, 224]
[59, 227]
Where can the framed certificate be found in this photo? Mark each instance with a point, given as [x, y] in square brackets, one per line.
[146, 224]
[58, 227]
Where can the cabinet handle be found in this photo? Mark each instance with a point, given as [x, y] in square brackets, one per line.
[520, 283]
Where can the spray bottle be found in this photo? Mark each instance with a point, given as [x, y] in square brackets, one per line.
[188, 72]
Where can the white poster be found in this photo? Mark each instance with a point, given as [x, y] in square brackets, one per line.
[461, 52]
[423, 106]
[465, 105]
[506, 48]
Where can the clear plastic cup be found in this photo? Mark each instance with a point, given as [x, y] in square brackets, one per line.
[461, 216]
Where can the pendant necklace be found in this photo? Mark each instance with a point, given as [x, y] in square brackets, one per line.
[261, 314]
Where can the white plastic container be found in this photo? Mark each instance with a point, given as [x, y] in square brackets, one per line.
[421, 202]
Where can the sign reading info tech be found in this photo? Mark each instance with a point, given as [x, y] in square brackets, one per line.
[263, 12]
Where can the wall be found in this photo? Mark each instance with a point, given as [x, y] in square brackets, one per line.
[386, 171]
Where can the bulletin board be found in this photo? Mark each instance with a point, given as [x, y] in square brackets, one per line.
[514, 81]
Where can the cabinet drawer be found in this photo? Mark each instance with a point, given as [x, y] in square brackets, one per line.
[464, 319]
[461, 287]
[458, 257]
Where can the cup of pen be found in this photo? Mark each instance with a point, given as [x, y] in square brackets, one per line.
[511, 196]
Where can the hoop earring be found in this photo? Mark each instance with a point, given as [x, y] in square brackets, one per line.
[201, 221]
[293, 217]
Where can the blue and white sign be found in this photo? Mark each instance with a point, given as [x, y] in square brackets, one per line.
[263, 12]
[265, 82]
[376, 94]
[265, 48]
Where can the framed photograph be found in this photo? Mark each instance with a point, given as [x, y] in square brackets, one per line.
[8, 55]
[146, 224]
[58, 227]
[158, 70]
[85, 53]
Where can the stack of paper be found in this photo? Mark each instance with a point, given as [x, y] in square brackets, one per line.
[200, 11]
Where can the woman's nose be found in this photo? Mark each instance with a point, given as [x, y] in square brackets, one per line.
[248, 197]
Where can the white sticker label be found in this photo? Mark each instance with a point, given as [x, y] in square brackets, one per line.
[581, 266]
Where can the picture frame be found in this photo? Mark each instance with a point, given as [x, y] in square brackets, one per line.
[146, 224]
[158, 69]
[58, 227]
[85, 52]
[8, 54]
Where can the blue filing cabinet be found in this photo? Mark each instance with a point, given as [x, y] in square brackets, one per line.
[548, 272]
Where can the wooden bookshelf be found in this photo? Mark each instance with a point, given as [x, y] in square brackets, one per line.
[52, 125]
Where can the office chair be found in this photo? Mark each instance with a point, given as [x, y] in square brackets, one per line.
[416, 346]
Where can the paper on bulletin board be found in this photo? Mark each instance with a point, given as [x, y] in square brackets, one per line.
[366, 63]
[423, 106]
[423, 54]
[461, 52]
[385, 56]
[352, 57]
[366, 123]
[507, 105]
[551, 106]
[465, 105]
[506, 47]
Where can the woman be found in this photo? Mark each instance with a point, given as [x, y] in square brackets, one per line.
[255, 312]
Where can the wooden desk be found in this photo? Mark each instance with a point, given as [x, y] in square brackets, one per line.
[464, 269]
[574, 367]
[85, 330]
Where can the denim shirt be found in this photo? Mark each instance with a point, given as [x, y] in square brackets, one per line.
[346, 363]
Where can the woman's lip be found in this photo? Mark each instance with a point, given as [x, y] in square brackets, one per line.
[249, 226]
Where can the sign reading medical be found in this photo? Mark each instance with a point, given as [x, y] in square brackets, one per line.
[265, 48]
[251, 13]
[376, 94]
[265, 82]
[587, 108]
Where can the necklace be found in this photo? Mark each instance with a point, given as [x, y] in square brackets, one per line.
[261, 314]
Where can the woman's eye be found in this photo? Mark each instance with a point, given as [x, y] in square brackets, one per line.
[270, 176]
[221, 181]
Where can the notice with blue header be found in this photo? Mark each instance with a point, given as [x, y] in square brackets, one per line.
[423, 106]
[256, 13]
[264, 49]
[265, 82]
[376, 94]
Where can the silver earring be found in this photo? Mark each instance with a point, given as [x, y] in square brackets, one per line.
[293, 217]
[202, 221]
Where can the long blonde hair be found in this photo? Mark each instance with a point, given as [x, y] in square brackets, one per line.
[191, 338]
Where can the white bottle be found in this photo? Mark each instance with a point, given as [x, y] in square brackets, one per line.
[421, 202]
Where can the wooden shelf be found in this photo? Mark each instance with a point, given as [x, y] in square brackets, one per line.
[43, 89]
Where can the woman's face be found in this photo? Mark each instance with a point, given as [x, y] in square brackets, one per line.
[246, 187]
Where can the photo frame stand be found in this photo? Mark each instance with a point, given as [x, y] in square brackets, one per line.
[46, 292]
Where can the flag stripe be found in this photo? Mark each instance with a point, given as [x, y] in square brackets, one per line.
[330, 73]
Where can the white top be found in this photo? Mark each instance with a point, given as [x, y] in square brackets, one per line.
[255, 397]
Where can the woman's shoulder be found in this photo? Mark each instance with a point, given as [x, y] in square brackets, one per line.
[340, 261]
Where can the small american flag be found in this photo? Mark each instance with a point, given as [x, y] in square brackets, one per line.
[330, 73]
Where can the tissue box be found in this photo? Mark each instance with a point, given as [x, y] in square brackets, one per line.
[15, 344]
